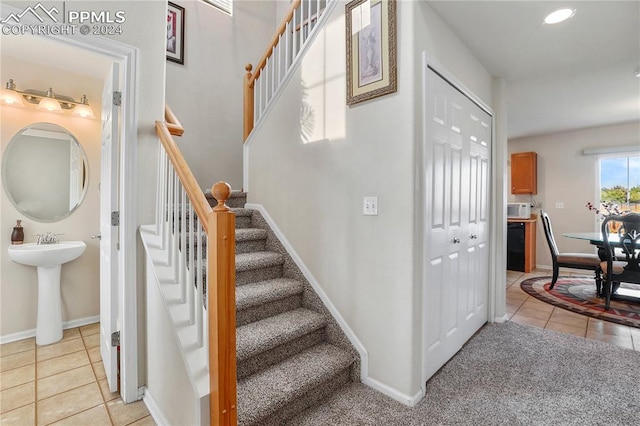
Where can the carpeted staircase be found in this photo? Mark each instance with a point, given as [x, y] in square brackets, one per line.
[291, 353]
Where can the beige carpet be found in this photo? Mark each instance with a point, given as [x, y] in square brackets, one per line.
[508, 374]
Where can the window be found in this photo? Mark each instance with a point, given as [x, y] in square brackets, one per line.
[620, 181]
[224, 5]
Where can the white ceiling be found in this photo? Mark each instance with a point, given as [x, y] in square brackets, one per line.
[55, 54]
[576, 74]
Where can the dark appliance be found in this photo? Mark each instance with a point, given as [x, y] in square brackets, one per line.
[515, 246]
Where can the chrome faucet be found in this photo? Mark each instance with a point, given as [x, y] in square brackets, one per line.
[48, 238]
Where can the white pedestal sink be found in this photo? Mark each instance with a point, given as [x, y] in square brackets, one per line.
[48, 258]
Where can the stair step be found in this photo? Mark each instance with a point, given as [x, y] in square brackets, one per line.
[258, 266]
[297, 382]
[263, 299]
[250, 240]
[261, 336]
[256, 294]
[243, 217]
[257, 260]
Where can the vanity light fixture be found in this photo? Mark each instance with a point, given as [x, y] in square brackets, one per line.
[559, 16]
[9, 96]
[46, 101]
[83, 109]
[49, 103]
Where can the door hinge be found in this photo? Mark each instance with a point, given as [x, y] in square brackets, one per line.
[115, 338]
[115, 218]
[117, 98]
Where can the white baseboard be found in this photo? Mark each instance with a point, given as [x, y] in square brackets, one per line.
[14, 337]
[411, 401]
[502, 319]
[364, 356]
[154, 410]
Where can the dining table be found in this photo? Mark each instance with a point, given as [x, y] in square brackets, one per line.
[596, 239]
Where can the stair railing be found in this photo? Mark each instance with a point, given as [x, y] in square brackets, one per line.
[200, 242]
[291, 36]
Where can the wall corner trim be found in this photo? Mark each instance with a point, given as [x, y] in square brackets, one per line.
[362, 351]
[153, 408]
[408, 400]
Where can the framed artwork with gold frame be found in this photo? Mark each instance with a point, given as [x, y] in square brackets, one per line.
[371, 49]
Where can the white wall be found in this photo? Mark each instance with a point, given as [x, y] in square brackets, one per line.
[566, 175]
[80, 279]
[313, 191]
[206, 92]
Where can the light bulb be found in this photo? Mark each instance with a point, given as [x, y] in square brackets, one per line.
[9, 96]
[49, 103]
[83, 109]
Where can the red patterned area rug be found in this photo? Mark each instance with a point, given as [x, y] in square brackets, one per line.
[578, 294]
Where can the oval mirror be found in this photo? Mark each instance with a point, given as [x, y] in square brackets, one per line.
[45, 172]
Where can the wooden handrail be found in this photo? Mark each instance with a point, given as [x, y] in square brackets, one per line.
[219, 224]
[274, 40]
[174, 126]
[191, 187]
[250, 77]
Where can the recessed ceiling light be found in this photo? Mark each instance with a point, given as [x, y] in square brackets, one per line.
[559, 16]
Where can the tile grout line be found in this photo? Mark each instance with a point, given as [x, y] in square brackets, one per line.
[94, 376]
[104, 402]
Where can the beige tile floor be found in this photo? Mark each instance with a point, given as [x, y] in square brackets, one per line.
[524, 309]
[62, 384]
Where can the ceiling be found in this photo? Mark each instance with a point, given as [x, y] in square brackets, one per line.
[572, 75]
[54, 54]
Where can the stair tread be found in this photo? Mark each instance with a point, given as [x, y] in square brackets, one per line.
[266, 334]
[239, 211]
[250, 234]
[258, 293]
[257, 259]
[263, 393]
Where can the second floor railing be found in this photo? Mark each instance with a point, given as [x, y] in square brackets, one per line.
[200, 245]
[262, 83]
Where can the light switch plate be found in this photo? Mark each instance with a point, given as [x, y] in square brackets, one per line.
[370, 206]
[559, 205]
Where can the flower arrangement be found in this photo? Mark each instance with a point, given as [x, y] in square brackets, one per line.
[607, 208]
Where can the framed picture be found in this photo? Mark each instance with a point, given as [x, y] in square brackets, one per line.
[371, 49]
[175, 33]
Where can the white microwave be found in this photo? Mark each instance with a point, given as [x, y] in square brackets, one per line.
[518, 210]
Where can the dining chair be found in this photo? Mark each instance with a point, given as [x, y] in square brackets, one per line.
[617, 268]
[570, 260]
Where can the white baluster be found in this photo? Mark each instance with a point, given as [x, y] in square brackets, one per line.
[287, 43]
[308, 18]
[274, 65]
[301, 24]
[182, 279]
[280, 74]
[193, 222]
[176, 224]
[294, 51]
[199, 287]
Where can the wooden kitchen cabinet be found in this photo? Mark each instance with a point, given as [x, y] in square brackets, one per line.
[524, 173]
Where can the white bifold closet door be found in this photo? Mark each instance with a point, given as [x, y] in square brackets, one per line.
[457, 153]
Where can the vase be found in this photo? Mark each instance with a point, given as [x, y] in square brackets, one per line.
[17, 236]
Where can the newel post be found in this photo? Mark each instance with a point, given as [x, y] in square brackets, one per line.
[221, 307]
[248, 102]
